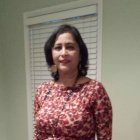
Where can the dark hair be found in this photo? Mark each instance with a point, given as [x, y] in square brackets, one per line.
[66, 28]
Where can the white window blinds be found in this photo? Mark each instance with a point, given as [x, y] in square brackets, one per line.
[39, 26]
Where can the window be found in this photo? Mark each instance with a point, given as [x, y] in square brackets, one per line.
[38, 25]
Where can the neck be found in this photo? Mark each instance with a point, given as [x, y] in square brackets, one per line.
[68, 80]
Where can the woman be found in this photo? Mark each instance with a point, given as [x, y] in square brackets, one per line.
[72, 106]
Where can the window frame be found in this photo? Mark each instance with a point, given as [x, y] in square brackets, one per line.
[39, 16]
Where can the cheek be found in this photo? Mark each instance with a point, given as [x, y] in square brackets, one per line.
[54, 56]
[77, 58]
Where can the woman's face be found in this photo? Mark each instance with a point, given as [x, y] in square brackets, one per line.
[65, 53]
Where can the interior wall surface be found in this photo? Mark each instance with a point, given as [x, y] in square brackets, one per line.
[121, 65]
[3, 107]
[14, 98]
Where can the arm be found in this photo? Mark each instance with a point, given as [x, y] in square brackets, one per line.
[103, 114]
[36, 109]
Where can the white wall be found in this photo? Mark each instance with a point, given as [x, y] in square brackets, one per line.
[2, 102]
[14, 100]
[3, 107]
[121, 65]
[120, 69]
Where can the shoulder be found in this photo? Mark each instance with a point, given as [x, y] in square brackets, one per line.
[95, 87]
[98, 92]
[98, 86]
[42, 87]
[44, 84]
[92, 83]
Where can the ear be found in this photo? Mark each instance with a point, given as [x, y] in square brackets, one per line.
[54, 68]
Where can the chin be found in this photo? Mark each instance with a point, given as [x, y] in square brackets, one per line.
[65, 70]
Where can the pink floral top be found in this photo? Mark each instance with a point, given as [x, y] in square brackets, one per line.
[77, 113]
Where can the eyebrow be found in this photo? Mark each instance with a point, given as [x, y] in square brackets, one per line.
[69, 43]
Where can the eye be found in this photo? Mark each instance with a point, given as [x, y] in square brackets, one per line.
[70, 47]
[57, 48]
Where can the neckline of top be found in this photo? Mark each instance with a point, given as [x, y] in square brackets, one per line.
[75, 87]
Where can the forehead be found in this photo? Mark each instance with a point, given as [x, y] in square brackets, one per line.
[65, 37]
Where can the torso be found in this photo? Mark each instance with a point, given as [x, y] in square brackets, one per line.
[76, 119]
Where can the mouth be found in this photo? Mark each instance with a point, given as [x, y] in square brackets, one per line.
[65, 61]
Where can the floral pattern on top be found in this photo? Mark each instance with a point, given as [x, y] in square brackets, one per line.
[80, 115]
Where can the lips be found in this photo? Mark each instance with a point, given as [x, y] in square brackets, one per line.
[65, 61]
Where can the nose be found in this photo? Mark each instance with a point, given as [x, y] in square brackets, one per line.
[64, 51]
